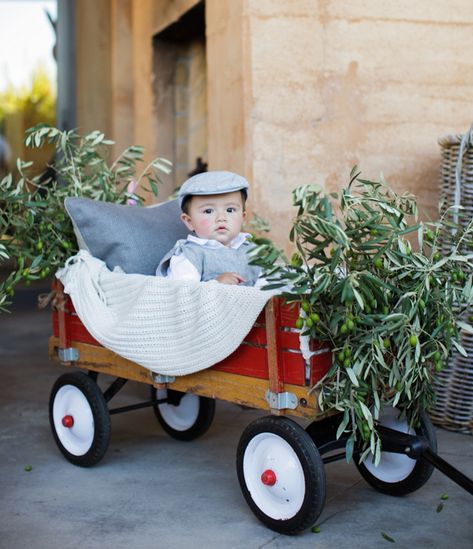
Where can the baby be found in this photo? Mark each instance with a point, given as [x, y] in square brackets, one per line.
[213, 208]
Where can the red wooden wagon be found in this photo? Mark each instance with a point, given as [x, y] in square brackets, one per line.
[279, 463]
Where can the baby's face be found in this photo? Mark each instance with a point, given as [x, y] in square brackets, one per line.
[217, 216]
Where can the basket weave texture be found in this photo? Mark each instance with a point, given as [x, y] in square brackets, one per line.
[454, 385]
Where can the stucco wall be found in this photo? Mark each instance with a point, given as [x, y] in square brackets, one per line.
[364, 82]
[115, 69]
[298, 90]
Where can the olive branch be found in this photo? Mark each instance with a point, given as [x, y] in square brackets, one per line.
[391, 308]
[36, 235]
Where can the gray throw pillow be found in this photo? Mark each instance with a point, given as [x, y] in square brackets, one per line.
[132, 237]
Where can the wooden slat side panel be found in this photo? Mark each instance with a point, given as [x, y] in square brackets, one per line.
[289, 314]
[74, 327]
[79, 332]
[289, 340]
[320, 365]
[247, 361]
[293, 367]
[256, 335]
[248, 391]
[272, 312]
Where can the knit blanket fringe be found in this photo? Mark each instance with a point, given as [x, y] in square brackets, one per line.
[170, 327]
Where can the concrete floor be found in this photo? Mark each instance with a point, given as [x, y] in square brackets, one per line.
[151, 491]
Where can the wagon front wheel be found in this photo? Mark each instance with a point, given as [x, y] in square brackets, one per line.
[79, 419]
[281, 474]
[184, 416]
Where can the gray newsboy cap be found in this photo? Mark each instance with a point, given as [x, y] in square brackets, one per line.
[216, 182]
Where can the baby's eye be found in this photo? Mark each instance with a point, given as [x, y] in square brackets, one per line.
[231, 209]
[208, 211]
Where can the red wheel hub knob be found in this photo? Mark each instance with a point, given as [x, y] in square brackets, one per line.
[68, 421]
[268, 477]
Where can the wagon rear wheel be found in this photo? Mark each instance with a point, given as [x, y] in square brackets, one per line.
[79, 419]
[398, 474]
[281, 474]
[184, 416]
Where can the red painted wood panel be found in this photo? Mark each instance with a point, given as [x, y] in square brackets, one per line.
[250, 358]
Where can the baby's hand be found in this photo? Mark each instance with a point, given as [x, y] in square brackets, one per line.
[230, 278]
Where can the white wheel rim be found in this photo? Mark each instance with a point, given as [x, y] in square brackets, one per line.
[270, 452]
[182, 417]
[392, 467]
[71, 401]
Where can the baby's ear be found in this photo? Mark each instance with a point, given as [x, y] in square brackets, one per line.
[186, 219]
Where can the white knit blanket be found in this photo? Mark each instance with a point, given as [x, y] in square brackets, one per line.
[170, 327]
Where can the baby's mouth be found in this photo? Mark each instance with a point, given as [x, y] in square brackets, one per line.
[221, 228]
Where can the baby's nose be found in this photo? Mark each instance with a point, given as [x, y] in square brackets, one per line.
[222, 215]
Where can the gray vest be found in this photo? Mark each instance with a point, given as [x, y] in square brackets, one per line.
[212, 262]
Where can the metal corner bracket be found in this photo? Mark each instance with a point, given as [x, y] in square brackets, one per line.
[161, 378]
[281, 401]
[69, 354]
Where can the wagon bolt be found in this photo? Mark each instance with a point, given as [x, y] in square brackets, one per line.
[68, 421]
[268, 477]
[407, 450]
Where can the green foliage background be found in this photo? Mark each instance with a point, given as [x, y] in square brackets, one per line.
[36, 235]
[37, 102]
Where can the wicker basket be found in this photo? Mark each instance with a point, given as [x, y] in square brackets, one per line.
[454, 386]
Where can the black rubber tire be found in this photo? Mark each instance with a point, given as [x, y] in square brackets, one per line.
[101, 418]
[203, 420]
[419, 475]
[312, 467]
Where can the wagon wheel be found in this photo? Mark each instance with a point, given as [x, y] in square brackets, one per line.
[79, 419]
[398, 474]
[281, 474]
[184, 416]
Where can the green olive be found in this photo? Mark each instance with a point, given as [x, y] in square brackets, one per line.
[378, 263]
[315, 317]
